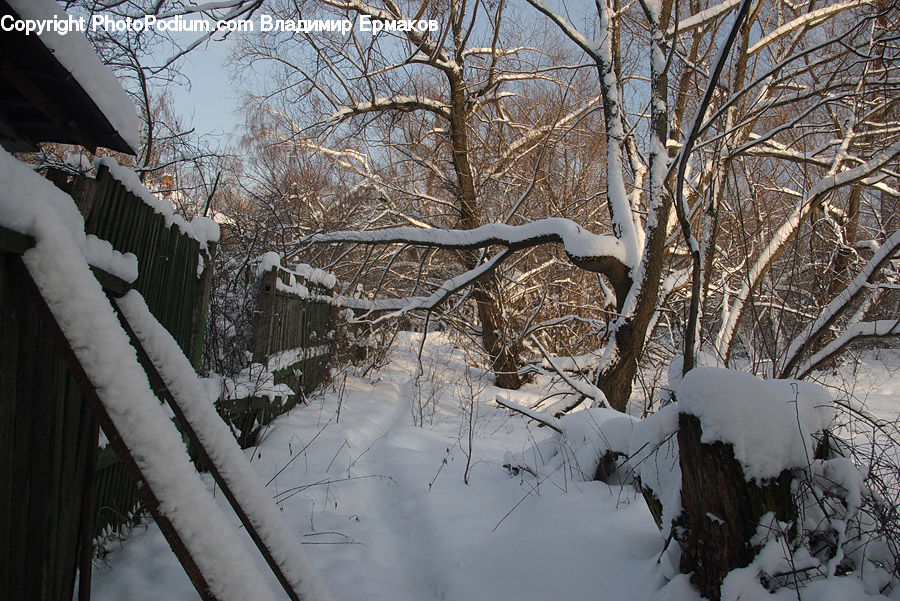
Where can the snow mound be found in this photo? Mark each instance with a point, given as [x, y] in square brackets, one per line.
[267, 262]
[770, 423]
[585, 438]
[255, 381]
[316, 276]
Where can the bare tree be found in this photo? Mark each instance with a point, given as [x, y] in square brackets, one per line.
[764, 127]
[769, 98]
[436, 111]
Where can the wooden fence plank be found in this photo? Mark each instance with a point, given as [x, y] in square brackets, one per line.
[90, 394]
[23, 560]
[9, 343]
[91, 430]
[214, 467]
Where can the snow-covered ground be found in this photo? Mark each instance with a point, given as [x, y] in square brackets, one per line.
[382, 508]
[871, 378]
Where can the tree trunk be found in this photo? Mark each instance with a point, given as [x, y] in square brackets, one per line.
[720, 509]
[504, 360]
[616, 380]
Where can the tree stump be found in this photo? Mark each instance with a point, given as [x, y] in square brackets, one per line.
[721, 510]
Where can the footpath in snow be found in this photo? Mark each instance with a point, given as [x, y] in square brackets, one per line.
[382, 509]
[370, 477]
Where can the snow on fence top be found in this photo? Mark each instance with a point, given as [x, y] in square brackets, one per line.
[301, 271]
[75, 54]
[770, 423]
[26, 196]
[201, 229]
[32, 205]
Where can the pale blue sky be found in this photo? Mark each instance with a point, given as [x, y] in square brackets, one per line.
[211, 101]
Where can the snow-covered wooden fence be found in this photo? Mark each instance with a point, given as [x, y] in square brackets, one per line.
[57, 492]
[174, 256]
[295, 319]
[174, 276]
[292, 348]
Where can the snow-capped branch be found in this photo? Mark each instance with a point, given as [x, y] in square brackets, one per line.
[498, 51]
[523, 143]
[864, 329]
[839, 304]
[395, 307]
[703, 17]
[589, 251]
[589, 47]
[550, 422]
[809, 19]
[814, 56]
[586, 390]
[394, 103]
[238, 9]
[681, 208]
[785, 234]
[776, 150]
[618, 141]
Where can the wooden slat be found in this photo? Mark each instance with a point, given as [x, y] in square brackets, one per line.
[214, 467]
[54, 429]
[90, 394]
[24, 559]
[88, 511]
[9, 342]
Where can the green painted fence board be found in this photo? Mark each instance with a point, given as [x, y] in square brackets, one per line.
[169, 285]
[48, 439]
[45, 444]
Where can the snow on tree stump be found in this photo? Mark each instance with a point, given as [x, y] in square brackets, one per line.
[720, 508]
[653, 460]
[739, 439]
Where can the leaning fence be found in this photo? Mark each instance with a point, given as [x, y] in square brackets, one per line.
[173, 277]
[57, 492]
[293, 347]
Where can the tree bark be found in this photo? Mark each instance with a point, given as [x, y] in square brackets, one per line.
[617, 378]
[504, 359]
[720, 508]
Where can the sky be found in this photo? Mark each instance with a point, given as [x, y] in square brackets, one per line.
[211, 100]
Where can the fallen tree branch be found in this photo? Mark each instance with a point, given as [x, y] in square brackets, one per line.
[587, 390]
[550, 422]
